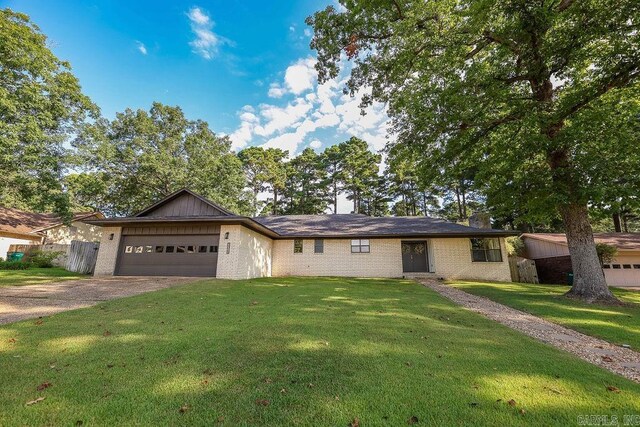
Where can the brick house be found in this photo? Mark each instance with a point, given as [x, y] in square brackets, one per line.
[187, 235]
[551, 254]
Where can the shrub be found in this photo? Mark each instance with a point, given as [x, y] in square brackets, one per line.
[606, 253]
[42, 259]
[515, 246]
[14, 265]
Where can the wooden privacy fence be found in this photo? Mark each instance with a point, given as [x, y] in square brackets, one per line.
[523, 270]
[82, 256]
[79, 257]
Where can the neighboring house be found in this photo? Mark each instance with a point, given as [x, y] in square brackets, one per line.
[551, 254]
[27, 228]
[187, 235]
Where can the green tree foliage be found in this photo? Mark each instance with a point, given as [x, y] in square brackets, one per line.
[141, 156]
[41, 105]
[359, 171]
[306, 191]
[537, 96]
[332, 158]
[266, 171]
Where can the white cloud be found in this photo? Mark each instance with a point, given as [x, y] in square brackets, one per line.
[315, 113]
[207, 43]
[141, 47]
[276, 91]
[301, 76]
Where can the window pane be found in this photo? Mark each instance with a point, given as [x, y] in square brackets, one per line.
[128, 249]
[478, 255]
[626, 265]
[213, 249]
[355, 242]
[139, 249]
[477, 244]
[318, 246]
[636, 266]
[297, 246]
[355, 249]
[170, 249]
[606, 266]
[364, 242]
[364, 249]
[202, 249]
[492, 243]
[159, 249]
[181, 249]
[148, 248]
[191, 249]
[615, 266]
[494, 255]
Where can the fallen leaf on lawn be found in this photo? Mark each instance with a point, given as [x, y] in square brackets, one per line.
[184, 408]
[407, 363]
[106, 333]
[205, 382]
[607, 359]
[267, 380]
[337, 397]
[220, 419]
[262, 402]
[12, 340]
[613, 389]
[283, 391]
[254, 303]
[355, 422]
[522, 411]
[33, 402]
[310, 385]
[38, 322]
[412, 420]
[44, 385]
[512, 402]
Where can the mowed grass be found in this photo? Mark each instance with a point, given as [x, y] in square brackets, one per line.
[34, 276]
[293, 351]
[616, 324]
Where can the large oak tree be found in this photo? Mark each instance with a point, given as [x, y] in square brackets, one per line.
[531, 92]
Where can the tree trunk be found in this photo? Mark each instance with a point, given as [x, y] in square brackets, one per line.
[459, 205]
[275, 201]
[335, 198]
[588, 278]
[616, 223]
[464, 204]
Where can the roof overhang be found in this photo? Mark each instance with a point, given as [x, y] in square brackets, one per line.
[147, 221]
[395, 235]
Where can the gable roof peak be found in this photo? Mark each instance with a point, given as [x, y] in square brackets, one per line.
[181, 192]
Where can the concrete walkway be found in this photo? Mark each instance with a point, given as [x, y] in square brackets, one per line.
[622, 361]
[31, 301]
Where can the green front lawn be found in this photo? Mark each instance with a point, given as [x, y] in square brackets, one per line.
[293, 351]
[34, 276]
[618, 325]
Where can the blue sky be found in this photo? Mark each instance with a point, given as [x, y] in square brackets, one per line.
[243, 66]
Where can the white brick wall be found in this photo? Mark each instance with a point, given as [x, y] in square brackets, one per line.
[249, 254]
[451, 259]
[108, 252]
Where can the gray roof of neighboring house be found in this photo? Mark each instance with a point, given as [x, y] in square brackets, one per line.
[622, 241]
[354, 225]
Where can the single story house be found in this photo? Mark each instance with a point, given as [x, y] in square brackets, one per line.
[28, 228]
[185, 234]
[551, 254]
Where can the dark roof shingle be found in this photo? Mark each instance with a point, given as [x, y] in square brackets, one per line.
[353, 225]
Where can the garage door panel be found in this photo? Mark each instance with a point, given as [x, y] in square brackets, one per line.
[168, 255]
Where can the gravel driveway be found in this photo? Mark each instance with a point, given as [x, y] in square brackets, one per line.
[622, 361]
[31, 301]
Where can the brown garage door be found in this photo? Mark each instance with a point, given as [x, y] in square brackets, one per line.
[168, 255]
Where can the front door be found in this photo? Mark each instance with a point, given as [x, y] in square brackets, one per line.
[414, 257]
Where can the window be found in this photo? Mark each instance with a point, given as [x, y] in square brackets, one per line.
[486, 250]
[159, 249]
[202, 249]
[615, 266]
[626, 266]
[228, 248]
[148, 249]
[128, 249]
[360, 246]
[213, 249]
[318, 246]
[606, 266]
[170, 249]
[636, 266]
[139, 249]
[297, 246]
[181, 249]
[191, 249]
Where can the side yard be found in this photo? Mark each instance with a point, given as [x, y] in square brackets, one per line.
[293, 351]
[618, 325]
[34, 276]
